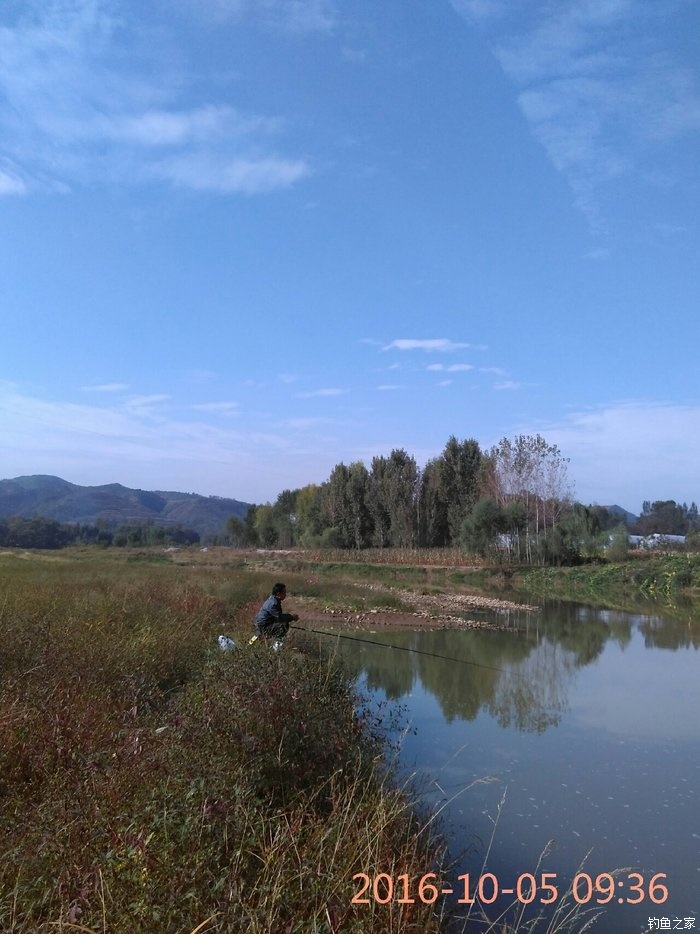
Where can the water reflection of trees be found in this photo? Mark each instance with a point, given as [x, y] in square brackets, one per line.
[520, 683]
[532, 696]
[521, 679]
[460, 689]
[396, 680]
[670, 634]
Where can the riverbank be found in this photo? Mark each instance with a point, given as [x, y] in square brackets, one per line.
[151, 782]
[434, 589]
[665, 577]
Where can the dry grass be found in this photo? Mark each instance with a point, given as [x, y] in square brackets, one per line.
[151, 783]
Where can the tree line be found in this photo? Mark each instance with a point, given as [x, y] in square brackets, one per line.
[508, 498]
[41, 532]
[667, 517]
[513, 501]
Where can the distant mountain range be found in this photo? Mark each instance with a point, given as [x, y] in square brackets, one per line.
[58, 499]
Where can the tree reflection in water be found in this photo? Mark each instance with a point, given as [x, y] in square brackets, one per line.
[536, 663]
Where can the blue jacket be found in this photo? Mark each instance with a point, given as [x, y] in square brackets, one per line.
[271, 612]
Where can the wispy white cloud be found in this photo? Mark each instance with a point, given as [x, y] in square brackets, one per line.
[218, 173]
[318, 393]
[371, 341]
[507, 384]
[146, 406]
[596, 86]
[622, 452]
[453, 368]
[435, 345]
[11, 184]
[205, 124]
[305, 424]
[217, 408]
[647, 450]
[71, 114]
[33, 421]
[106, 387]
[99, 443]
[386, 387]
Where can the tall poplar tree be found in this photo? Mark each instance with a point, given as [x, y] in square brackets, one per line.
[360, 519]
[377, 502]
[433, 531]
[337, 506]
[401, 486]
[460, 467]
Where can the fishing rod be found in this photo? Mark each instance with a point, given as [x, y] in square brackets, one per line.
[388, 645]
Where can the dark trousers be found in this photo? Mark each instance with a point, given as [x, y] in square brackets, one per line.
[273, 630]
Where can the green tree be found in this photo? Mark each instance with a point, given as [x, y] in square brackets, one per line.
[338, 506]
[377, 502]
[265, 527]
[448, 489]
[460, 467]
[359, 514]
[238, 532]
[250, 525]
[284, 518]
[433, 530]
[481, 530]
[309, 522]
[666, 517]
[37, 532]
[514, 528]
[401, 485]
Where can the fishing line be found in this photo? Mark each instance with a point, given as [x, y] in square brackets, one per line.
[403, 648]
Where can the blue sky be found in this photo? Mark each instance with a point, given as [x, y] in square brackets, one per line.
[245, 240]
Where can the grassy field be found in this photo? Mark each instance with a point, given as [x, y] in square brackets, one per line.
[641, 573]
[150, 782]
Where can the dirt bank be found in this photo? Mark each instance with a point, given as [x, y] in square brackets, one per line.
[430, 611]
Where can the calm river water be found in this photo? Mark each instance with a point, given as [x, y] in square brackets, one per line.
[587, 723]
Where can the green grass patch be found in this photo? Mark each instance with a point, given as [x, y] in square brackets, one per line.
[664, 577]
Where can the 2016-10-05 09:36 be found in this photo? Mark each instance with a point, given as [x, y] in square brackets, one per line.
[631, 888]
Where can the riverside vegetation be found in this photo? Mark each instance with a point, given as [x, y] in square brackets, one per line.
[150, 782]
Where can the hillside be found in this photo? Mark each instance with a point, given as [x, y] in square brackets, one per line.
[58, 499]
[624, 515]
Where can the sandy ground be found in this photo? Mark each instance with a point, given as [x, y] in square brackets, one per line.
[441, 611]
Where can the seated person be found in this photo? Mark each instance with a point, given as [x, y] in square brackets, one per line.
[271, 622]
